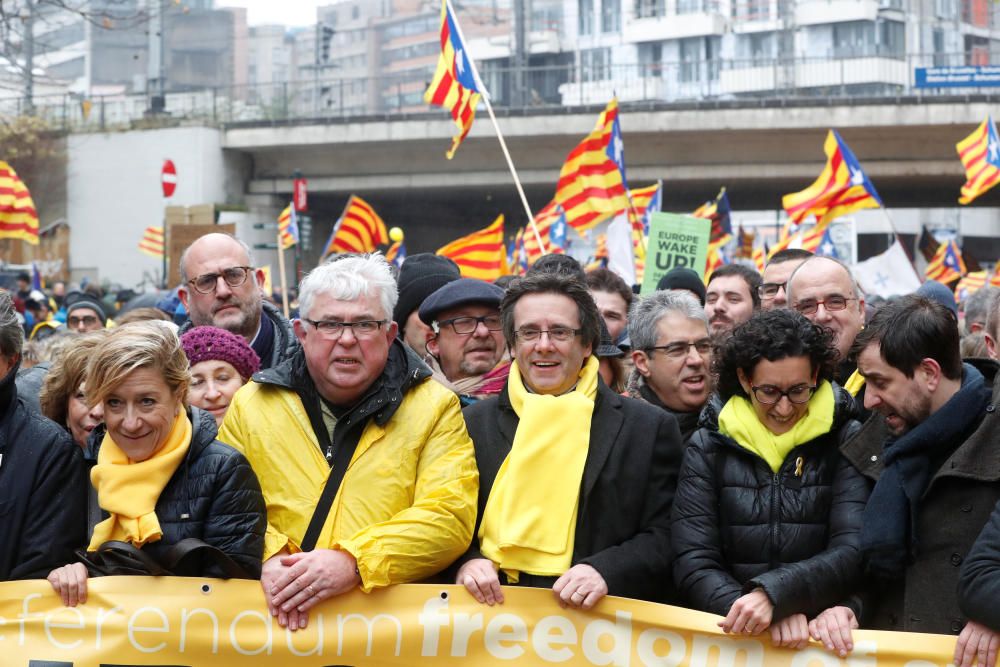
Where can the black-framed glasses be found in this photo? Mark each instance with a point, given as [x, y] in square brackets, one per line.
[680, 349]
[86, 320]
[234, 277]
[559, 334]
[768, 394]
[770, 290]
[466, 325]
[333, 330]
[831, 303]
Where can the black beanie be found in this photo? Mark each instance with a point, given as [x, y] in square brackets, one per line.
[683, 278]
[419, 277]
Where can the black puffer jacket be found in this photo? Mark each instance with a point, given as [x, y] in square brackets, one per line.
[739, 526]
[214, 496]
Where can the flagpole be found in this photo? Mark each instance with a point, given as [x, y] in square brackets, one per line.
[485, 95]
[281, 270]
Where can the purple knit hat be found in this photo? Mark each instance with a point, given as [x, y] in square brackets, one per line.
[211, 343]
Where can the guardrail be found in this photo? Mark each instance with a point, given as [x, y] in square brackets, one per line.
[323, 97]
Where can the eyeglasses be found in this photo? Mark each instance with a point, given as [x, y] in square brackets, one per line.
[559, 334]
[831, 303]
[332, 330]
[770, 290]
[86, 320]
[468, 325]
[768, 394]
[680, 348]
[234, 277]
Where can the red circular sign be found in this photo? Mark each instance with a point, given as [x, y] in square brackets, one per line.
[168, 178]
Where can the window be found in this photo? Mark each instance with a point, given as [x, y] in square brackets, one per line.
[595, 64]
[752, 10]
[691, 57]
[940, 57]
[891, 39]
[586, 16]
[713, 50]
[650, 8]
[855, 38]
[651, 58]
[611, 12]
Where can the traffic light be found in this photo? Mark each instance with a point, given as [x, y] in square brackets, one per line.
[325, 35]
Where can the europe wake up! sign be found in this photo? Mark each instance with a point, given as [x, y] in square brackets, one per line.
[161, 621]
[674, 241]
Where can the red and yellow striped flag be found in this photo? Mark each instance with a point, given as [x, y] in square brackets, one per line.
[481, 254]
[359, 229]
[455, 85]
[288, 228]
[590, 187]
[152, 242]
[980, 155]
[969, 285]
[947, 265]
[18, 218]
[544, 220]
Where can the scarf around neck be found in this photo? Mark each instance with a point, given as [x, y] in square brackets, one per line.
[129, 490]
[529, 523]
[738, 420]
[889, 524]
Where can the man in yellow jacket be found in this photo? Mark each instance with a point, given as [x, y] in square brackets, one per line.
[353, 402]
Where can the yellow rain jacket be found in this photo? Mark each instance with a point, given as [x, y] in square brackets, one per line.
[407, 505]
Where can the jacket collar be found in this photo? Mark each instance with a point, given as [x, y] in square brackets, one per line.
[8, 389]
[403, 371]
[977, 458]
[605, 424]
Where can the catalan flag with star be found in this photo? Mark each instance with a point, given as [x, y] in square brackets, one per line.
[980, 155]
[947, 265]
[456, 85]
[842, 188]
[360, 229]
[548, 221]
[288, 228]
[591, 185]
[18, 217]
[481, 254]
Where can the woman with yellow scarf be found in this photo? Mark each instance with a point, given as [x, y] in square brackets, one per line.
[767, 517]
[160, 475]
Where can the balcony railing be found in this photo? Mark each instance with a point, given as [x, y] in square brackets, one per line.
[330, 99]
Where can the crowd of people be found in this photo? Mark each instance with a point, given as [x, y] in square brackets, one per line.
[774, 449]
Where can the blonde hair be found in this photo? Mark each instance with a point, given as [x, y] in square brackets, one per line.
[151, 344]
[66, 375]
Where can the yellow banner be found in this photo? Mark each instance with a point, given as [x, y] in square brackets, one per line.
[176, 621]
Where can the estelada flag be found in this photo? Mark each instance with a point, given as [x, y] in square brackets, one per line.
[550, 219]
[152, 242]
[717, 210]
[359, 229]
[288, 227]
[947, 265]
[455, 86]
[980, 155]
[481, 254]
[842, 187]
[18, 218]
[591, 185]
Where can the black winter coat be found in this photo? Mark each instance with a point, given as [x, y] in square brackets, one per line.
[979, 580]
[214, 496]
[738, 526]
[953, 510]
[43, 490]
[622, 525]
[285, 343]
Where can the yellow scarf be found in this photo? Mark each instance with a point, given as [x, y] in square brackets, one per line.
[129, 491]
[529, 523]
[739, 421]
[854, 383]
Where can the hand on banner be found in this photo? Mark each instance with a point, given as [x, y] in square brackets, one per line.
[70, 582]
[270, 573]
[791, 632]
[751, 614]
[480, 578]
[312, 577]
[580, 586]
[833, 627]
[977, 645]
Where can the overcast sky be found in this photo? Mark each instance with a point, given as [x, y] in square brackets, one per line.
[286, 12]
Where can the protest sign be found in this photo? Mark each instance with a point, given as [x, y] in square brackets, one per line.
[674, 241]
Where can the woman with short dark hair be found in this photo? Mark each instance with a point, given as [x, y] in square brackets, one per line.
[767, 516]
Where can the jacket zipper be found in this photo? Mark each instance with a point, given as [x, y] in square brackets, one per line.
[775, 482]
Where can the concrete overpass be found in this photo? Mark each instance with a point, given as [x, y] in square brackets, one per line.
[760, 150]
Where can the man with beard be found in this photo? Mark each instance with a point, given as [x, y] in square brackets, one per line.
[220, 287]
[731, 298]
[933, 459]
[465, 344]
[672, 353]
